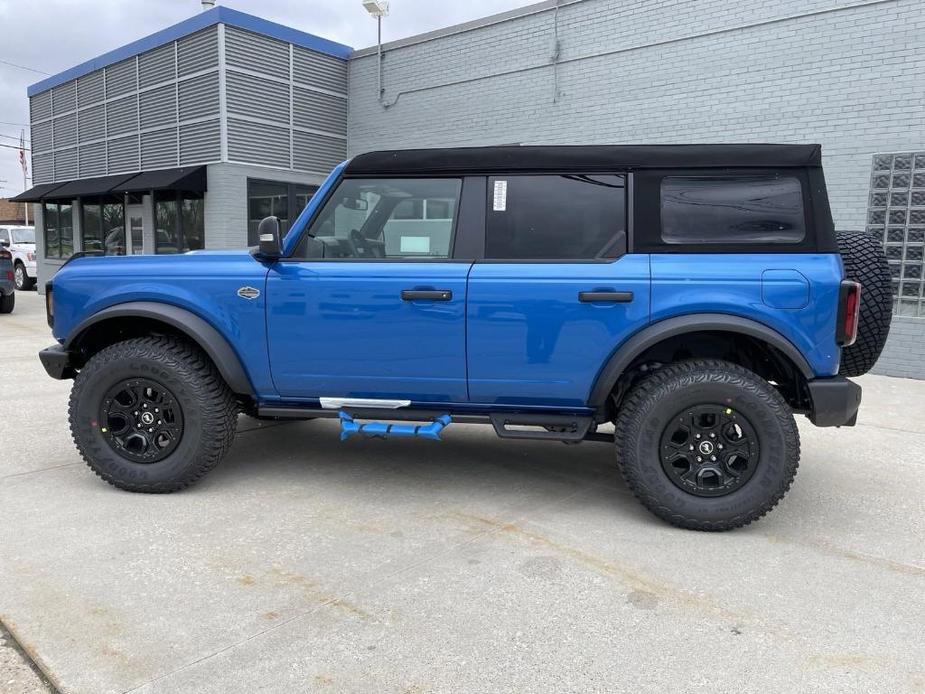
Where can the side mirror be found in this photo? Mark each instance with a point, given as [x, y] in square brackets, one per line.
[4, 243]
[270, 246]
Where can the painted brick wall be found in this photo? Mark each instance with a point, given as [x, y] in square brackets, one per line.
[904, 354]
[844, 73]
[226, 200]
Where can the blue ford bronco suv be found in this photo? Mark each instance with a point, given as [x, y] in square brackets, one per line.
[694, 297]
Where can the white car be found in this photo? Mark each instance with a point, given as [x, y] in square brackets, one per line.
[20, 242]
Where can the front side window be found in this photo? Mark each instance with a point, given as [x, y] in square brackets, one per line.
[567, 217]
[22, 235]
[59, 230]
[386, 218]
[732, 209]
[279, 199]
[4, 236]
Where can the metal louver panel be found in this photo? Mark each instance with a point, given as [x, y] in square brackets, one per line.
[199, 97]
[92, 160]
[64, 98]
[254, 96]
[159, 65]
[66, 164]
[123, 154]
[200, 143]
[120, 78]
[90, 89]
[159, 148]
[43, 168]
[65, 130]
[198, 51]
[317, 70]
[122, 116]
[40, 106]
[259, 53]
[257, 143]
[92, 123]
[158, 106]
[316, 152]
[319, 111]
[41, 137]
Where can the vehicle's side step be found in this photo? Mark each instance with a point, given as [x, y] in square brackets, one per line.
[384, 430]
[541, 426]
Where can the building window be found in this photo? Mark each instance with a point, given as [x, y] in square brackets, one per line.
[274, 198]
[179, 222]
[896, 214]
[59, 230]
[103, 227]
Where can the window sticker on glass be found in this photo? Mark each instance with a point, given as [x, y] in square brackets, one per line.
[415, 244]
[500, 202]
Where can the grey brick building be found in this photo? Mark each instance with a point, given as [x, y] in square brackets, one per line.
[845, 73]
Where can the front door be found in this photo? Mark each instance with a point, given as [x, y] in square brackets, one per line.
[134, 220]
[373, 305]
[556, 291]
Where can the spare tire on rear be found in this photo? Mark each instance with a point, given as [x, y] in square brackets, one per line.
[865, 262]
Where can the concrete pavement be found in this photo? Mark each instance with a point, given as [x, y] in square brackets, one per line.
[307, 564]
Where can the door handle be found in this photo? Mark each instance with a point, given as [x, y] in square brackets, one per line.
[426, 295]
[614, 297]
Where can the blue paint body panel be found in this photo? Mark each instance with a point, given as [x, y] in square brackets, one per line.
[204, 283]
[530, 341]
[341, 329]
[217, 15]
[732, 284]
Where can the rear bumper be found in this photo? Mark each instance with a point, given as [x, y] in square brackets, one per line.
[57, 362]
[835, 402]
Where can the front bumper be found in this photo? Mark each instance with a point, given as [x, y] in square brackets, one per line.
[835, 402]
[57, 362]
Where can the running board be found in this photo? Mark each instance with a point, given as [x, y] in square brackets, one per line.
[384, 430]
[554, 426]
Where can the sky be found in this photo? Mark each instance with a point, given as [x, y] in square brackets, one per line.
[49, 36]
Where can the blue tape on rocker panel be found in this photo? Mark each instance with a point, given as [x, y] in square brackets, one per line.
[380, 430]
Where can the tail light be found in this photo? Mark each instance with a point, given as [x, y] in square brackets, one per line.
[49, 306]
[849, 304]
[6, 255]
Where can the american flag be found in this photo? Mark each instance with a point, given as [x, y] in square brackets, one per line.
[22, 153]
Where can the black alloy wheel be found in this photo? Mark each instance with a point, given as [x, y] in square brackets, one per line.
[141, 420]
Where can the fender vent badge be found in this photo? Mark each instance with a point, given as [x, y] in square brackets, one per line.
[248, 293]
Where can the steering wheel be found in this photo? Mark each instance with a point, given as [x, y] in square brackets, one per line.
[370, 249]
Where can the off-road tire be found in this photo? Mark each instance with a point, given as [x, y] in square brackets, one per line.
[22, 281]
[652, 405]
[7, 302]
[208, 408]
[865, 262]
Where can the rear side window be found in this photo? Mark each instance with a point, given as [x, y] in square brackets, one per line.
[732, 210]
[567, 217]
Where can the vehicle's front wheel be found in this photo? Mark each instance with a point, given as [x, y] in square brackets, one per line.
[22, 281]
[707, 445]
[151, 414]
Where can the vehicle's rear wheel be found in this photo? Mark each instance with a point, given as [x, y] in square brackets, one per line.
[865, 262]
[707, 445]
[7, 302]
[22, 281]
[151, 414]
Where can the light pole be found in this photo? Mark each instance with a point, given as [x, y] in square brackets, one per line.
[378, 9]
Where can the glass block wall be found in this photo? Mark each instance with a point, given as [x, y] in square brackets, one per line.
[896, 213]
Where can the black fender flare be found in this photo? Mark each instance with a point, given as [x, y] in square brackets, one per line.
[199, 331]
[651, 335]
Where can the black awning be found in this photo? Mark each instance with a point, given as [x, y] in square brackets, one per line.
[84, 187]
[36, 193]
[188, 178]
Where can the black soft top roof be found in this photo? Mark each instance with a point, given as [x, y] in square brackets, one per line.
[582, 158]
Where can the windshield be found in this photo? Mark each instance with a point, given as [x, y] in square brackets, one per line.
[23, 235]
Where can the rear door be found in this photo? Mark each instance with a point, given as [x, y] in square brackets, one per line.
[555, 292]
[373, 303]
